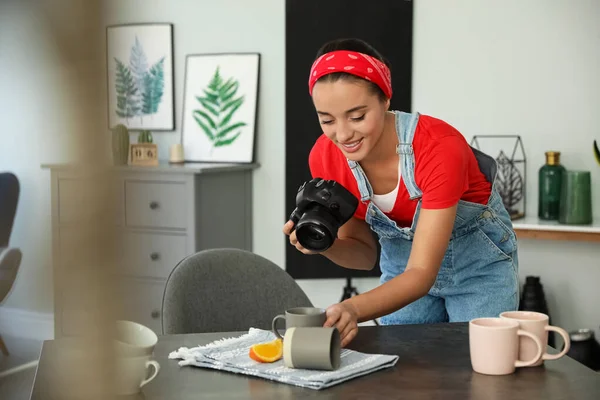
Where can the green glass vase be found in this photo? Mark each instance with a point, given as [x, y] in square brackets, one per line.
[550, 180]
[576, 198]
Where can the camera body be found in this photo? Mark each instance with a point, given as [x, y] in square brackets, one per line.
[322, 207]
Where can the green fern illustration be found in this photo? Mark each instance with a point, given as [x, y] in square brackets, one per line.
[127, 100]
[139, 89]
[219, 104]
[138, 64]
[153, 85]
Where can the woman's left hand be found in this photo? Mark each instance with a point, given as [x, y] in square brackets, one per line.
[344, 317]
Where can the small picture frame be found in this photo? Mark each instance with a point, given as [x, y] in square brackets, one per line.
[140, 80]
[220, 107]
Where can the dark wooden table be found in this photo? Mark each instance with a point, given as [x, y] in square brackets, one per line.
[434, 364]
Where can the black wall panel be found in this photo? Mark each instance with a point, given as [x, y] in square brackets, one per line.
[385, 24]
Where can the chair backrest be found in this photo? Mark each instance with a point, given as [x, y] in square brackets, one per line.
[9, 197]
[10, 260]
[224, 290]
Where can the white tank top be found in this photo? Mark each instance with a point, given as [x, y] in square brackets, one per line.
[386, 202]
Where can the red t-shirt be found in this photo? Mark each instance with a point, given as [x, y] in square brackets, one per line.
[446, 170]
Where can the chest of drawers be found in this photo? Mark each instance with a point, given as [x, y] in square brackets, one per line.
[163, 214]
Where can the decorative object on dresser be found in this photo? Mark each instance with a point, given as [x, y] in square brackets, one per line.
[120, 144]
[140, 76]
[145, 136]
[176, 154]
[220, 107]
[512, 169]
[144, 153]
[163, 214]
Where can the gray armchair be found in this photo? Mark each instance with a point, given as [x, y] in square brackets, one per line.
[9, 198]
[10, 260]
[220, 290]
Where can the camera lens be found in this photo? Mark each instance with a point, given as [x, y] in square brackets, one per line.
[315, 234]
[314, 237]
[316, 229]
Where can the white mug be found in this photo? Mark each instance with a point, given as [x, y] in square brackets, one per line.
[133, 339]
[131, 374]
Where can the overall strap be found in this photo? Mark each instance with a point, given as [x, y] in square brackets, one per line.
[406, 124]
[364, 187]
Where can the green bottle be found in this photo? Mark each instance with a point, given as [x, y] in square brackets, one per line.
[550, 179]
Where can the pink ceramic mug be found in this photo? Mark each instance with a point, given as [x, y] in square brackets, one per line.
[494, 346]
[537, 324]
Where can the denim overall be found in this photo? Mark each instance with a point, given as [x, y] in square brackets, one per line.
[479, 273]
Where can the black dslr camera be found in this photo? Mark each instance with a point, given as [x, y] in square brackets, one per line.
[322, 206]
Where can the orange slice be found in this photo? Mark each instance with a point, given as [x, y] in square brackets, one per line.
[267, 352]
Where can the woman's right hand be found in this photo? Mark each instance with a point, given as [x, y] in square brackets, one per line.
[288, 229]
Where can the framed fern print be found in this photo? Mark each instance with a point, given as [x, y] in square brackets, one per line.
[220, 107]
[140, 76]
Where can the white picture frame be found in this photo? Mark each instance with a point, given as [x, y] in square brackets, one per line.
[220, 107]
[140, 79]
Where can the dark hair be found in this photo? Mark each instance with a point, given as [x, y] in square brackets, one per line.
[358, 45]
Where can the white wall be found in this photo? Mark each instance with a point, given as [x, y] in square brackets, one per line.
[516, 67]
[34, 113]
[526, 67]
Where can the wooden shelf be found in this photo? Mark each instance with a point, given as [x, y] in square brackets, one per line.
[534, 228]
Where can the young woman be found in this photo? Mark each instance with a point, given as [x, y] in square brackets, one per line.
[448, 250]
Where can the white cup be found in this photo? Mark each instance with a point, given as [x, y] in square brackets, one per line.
[131, 374]
[133, 339]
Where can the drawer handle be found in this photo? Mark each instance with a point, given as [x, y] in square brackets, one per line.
[154, 256]
[155, 314]
[153, 205]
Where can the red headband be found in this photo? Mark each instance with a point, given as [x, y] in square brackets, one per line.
[355, 63]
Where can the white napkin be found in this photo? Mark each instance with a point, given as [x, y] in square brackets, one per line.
[231, 354]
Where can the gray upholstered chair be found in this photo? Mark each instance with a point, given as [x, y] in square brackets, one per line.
[9, 199]
[10, 260]
[221, 290]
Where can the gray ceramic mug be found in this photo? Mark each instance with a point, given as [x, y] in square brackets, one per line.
[300, 317]
[312, 348]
